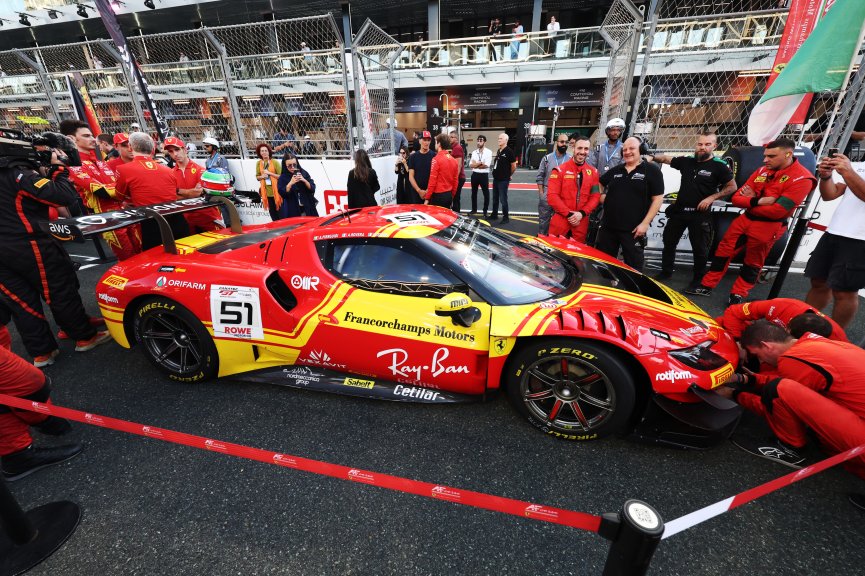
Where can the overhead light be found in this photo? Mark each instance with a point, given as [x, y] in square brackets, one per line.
[215, 100]
[22, 17]
[150, 4]
[251, 98]
[181, 101]
[53, 14]
[294, 96]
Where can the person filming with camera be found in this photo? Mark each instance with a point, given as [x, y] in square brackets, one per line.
[35, 266]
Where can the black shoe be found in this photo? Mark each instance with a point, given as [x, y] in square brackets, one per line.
[663, 275]
[473, 213]
[699, 290]
[25, 462]
[54, 426]
[773, 449]
[505, 220]
[857, 500]
[735, 299]
[692, 286]
[494, 216]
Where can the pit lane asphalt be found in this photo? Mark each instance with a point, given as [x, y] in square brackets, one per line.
[154, 508]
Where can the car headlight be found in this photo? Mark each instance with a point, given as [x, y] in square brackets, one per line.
[699, 356]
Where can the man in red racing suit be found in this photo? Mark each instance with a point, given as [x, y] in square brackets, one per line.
[769, 196]
[573, 192]
[779, 311]
[94, 181]
[821, 387]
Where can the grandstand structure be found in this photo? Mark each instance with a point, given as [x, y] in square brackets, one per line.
[705, 66]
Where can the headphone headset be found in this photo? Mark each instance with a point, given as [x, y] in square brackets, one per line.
[644, 148]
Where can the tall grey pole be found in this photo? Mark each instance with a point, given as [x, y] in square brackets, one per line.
[654, 7]
[229, 89]
[128, 79]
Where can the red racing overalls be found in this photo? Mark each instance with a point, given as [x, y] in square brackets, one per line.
[777, 310]
[572, 188]
[756, 230]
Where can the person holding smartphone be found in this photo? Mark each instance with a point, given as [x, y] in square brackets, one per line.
[297, 189]
[837, 265]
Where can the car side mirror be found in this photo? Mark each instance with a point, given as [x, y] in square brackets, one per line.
[459, 307]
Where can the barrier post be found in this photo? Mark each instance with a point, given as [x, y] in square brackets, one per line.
[28, 538]
[635, 533]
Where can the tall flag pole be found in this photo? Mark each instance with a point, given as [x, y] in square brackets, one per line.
[822, 63]
[109, 19]
[81, 102]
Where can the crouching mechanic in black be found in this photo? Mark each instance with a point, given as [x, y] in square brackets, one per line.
[34, 266]
[633, 193]
[705, 179]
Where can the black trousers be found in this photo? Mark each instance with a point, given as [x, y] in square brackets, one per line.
[700, 231]
[633, 249]
[455, 205]
[443, 199]
[31, 272]
[481, 181]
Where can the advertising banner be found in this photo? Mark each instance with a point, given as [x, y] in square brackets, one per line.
[570, 96]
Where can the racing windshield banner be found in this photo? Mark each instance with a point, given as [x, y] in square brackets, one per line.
[119, 38]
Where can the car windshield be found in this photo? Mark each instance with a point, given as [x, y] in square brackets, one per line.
[517, 273]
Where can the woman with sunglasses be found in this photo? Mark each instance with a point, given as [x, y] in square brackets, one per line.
[405, 194]
[362, 182]
[297, 189]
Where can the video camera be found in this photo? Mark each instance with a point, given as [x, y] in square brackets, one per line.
[14, 148]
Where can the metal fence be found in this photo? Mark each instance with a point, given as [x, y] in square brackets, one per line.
[621, 30]
[374, 54]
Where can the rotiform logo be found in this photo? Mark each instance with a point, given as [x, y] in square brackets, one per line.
[673, 375]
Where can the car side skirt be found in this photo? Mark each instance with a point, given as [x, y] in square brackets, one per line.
[326, 380]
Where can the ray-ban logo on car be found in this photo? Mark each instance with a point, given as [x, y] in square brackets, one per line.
[299, 282]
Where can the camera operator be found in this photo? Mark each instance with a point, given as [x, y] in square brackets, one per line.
[34, 266]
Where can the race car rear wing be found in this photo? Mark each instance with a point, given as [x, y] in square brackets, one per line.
[80, 228]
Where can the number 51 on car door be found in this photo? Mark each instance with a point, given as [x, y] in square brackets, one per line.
[236, 312]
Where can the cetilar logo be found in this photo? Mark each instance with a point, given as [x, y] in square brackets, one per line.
[673, 375]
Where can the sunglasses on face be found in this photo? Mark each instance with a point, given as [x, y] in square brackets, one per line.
[291, 165]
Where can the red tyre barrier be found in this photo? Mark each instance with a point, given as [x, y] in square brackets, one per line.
[718, 508]
[580, 520]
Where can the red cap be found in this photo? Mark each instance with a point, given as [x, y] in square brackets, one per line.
[120, 138]
[425, 135]
[173, 141]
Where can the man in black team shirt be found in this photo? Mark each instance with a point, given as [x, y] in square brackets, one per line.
[634, 192]
[705, 179]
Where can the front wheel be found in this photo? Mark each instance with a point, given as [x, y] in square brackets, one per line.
[572, 389]
[175, 341]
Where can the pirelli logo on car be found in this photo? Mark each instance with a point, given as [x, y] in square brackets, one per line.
[115, 281]
[722, 375]
[359, 383]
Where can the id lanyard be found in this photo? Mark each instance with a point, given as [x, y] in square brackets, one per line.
[608, 155]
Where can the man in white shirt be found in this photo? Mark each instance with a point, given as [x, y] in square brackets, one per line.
[837, 265]
[480, 162]
[553, 26]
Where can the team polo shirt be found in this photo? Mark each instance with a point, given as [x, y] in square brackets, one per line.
[188, 178]
[699, 179]
[629, 194]
[144, 181]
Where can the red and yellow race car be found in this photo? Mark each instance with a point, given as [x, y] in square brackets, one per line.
[417, 303]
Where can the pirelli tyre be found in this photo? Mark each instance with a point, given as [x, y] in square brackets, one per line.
[572, 389]
[175, 341]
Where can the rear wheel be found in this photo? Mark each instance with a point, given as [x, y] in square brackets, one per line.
[572, 389]
[175, 341]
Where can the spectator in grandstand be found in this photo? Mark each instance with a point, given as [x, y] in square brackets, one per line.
[187, 174]
[837, 265]
[95, 183]
[308, 58]
[821, 387]
[309, 147]
[546, 166]
[362, 182]
[135, 127]
[518, 38]
[284, 141]
[573, 192]
[504, 165]
[554, 25]
[124, 152]
[297, 189]
[495, 31]
[18, 456]
[458, 153]
[404, 192]
[214, 158]
[106, 147]
[267, 171]
[634, 192]
[552, 32]
[480, 163]
[705, 179]
[444, 175]
[769, 197]
[419, 164]
[143, 182]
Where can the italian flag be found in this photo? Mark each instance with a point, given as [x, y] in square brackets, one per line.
[823, 62]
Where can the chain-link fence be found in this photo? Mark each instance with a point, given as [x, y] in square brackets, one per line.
[375, 53]
[621, 29]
